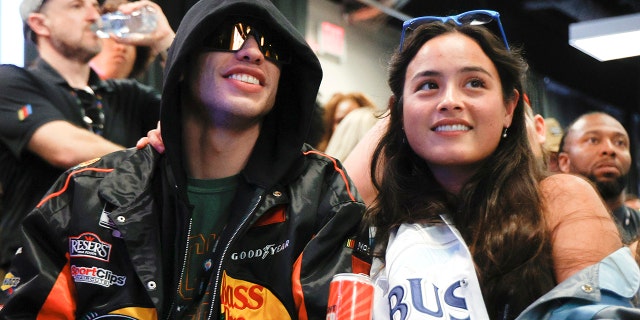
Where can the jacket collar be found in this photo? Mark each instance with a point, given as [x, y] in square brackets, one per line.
[618, 273]
[130, 178]
[45, 70]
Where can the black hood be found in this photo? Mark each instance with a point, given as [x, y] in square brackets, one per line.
[286, 127]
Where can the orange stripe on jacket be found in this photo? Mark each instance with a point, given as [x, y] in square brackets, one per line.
[66, 184]
[338, 169]
[60, 303]
[296, 288]
[273, 216]
[360, 266]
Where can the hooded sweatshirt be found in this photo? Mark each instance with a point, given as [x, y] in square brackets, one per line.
[286, 127]
[112, 235]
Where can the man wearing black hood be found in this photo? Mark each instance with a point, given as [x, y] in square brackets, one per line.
[238, 219]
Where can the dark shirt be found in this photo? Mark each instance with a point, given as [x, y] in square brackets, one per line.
[120, 110]
[628, 221]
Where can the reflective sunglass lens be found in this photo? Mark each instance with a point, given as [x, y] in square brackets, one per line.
[238, 37]
[231, 37]
[475, 19]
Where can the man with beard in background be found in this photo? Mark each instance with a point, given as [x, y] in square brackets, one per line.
[56, 112]
[596, 145]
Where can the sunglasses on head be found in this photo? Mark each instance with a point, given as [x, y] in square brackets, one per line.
[474, 17]
[231, 35]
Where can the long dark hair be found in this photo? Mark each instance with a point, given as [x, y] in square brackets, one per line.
[498, 211]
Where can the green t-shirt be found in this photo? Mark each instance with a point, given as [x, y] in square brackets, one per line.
[211, 200]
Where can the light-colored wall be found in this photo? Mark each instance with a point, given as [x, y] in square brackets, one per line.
[368, 46]
[11, 38]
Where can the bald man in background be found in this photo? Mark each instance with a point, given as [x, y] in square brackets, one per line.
[596, 146]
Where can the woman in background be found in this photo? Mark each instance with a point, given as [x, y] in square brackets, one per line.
[119, 60]
[337, 108]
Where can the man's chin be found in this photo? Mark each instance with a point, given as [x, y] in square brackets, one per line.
[609, 187]
[89, 54]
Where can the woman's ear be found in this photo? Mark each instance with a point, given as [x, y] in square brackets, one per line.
[510, 108]
[392, 102]
[395, 103]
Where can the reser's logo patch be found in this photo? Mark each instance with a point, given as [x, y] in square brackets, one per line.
[89, 245]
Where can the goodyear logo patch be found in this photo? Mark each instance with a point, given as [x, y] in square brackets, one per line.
[261, 253]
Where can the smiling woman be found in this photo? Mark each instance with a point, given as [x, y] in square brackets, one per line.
[463, 205]
[458, 96]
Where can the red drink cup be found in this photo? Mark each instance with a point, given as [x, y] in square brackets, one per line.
[350, 297]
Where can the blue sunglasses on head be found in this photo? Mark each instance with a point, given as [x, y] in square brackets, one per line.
[474, 17]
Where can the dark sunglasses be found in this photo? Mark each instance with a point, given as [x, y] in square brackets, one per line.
[232, 34]
[92, 112]
[474, 17]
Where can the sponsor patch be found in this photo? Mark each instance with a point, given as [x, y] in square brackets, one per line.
[263, 253]
[132, 313]
[105, 221]
[9, 282]
[89, 245]
[241, 299]
[351, 243]
[99, 276]
[24, 112]
[86, 163]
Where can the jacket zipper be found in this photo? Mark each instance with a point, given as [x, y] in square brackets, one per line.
[224, 253]
[184, 266]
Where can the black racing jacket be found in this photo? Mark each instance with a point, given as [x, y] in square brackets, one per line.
[110, 239]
